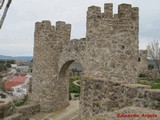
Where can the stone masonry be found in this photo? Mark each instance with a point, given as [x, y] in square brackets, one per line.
[142, 62]
[104, 96]
[110, 51]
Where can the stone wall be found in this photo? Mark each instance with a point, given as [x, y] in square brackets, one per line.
[28, 110]
[114, 41]
[153, 74]
[48, 90]
[24, 112]
[15, 116]
[142, 62]
[101, 95]
[110, 51]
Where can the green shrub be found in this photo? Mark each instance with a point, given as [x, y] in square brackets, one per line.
[150, 67]
[72, 87]
[8, 65]
[7, 110]
[155, 84]
[3, 67]
[21, 101]
[144, 82]
[157, 81]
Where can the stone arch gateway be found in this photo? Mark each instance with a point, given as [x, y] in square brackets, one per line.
[64, 80]
[110, 50]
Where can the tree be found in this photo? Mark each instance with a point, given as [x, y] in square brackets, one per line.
[2, 61]
[154, 53]
[8, 65]
[10, 61]
[150, 67]
[3, 68]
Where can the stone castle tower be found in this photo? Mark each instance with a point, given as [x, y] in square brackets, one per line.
[142, 65]
[110, 51]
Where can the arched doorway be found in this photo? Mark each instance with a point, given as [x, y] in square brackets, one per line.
[70, 75]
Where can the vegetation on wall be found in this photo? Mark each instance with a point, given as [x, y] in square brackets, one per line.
[155, 84]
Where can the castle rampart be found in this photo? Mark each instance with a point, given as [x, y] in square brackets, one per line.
[110, 51]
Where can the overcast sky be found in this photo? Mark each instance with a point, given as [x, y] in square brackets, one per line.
[17, 33]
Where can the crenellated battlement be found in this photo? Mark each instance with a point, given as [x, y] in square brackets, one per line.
[60, 26]
[55, 36]
[135, 13]
[93, 12]
[110, 50]
[103, 27]
[108, 10]
[45, 25]
[125, 11]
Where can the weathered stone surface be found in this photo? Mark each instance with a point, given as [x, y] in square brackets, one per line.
[100, 95]
[16, 116]
[27, 111]
[109, 55]
[24, 112]
[110, 50]
[142, 62]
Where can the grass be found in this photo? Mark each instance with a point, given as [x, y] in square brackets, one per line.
[1, 84]
[72, 87]
[7, 110]
[155, 84]
[21, 102]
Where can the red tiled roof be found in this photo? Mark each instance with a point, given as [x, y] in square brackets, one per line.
[17, 80]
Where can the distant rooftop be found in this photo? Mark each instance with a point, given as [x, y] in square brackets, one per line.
[17, 80]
